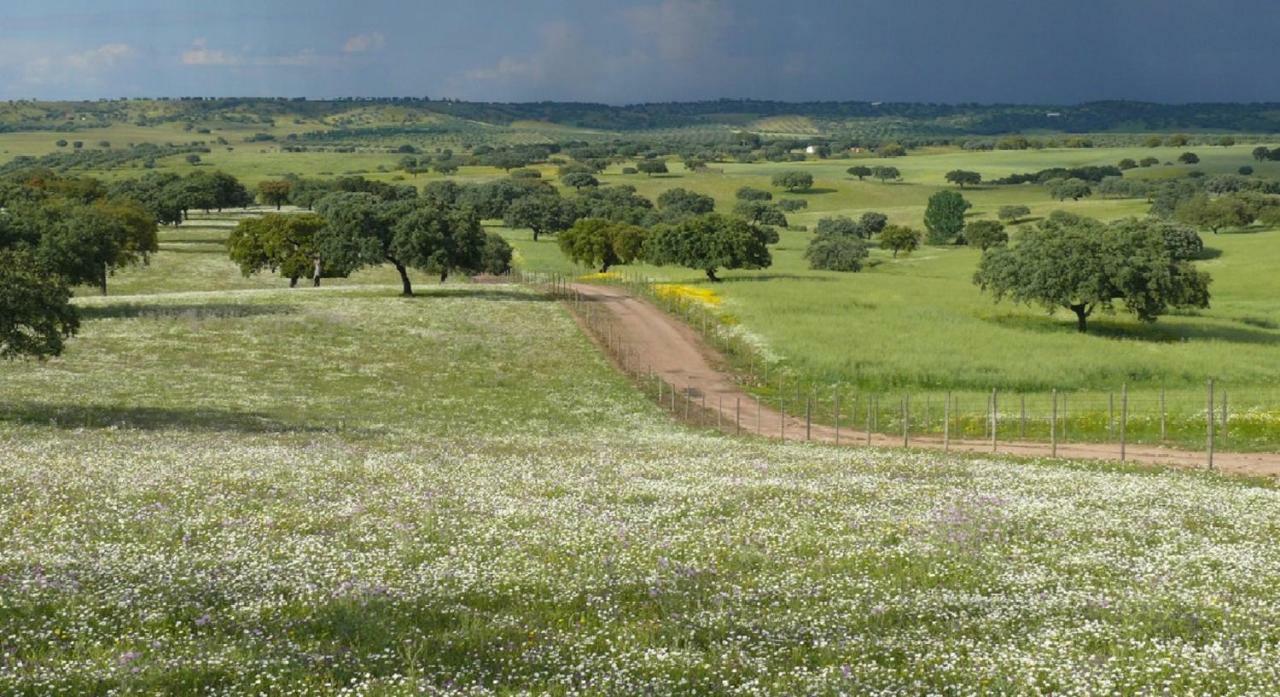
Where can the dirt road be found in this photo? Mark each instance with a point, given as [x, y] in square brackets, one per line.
[658, 342]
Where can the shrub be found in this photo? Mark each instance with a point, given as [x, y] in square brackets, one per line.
[836, 252]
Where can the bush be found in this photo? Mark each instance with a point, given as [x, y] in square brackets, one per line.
[630, 170]
[842, 226]
[985, 234]
[496, 257]
[836, 253]
[791, 205]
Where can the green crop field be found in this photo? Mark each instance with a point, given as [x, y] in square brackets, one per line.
[225, 486]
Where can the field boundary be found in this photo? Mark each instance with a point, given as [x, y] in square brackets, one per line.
[672, 364]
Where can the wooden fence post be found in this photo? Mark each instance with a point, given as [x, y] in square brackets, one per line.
[869, 421]
[995, 419]
[1162, 415]
[1111, 414]
[1066, 418]
[1124, 417]
[1053, 426]
[1209, 424]
[906, 422]
[946, 424]
[836, 407]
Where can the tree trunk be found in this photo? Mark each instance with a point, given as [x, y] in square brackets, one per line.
[604, 268]
[1082, 316]
[103, 284]
[535, 234]
[443, 275]
[293, 281]
[315, 273]
[278, 204]
[711, 275]
[407, 288]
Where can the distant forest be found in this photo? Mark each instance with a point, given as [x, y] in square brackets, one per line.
[828, 117]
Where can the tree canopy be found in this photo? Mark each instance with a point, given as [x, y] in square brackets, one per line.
[709, 242]
[1215, 213]
[899, 238]
[793, 181]
[944, 216]
[963, 177]
[984, 234]
[36, 315]
[1071, 188]
[543, 212]
[836, 252]
[602, 243]
[283, 243]
[1083, 265]
[364, 230]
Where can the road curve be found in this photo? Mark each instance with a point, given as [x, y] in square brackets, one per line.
[655, 341]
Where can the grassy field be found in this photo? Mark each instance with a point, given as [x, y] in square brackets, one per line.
[225, 488]
[917, 324]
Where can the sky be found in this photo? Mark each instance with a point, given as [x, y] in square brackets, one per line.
[629, 51]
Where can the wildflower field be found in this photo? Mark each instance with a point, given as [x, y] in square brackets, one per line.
[340, 491]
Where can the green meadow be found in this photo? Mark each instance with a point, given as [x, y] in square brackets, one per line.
[915, 324]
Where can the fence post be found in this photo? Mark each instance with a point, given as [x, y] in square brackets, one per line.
[1066, 418]
[1124, 417]
[869, 420]
[836, 405]
[906, 422]
[1162, 415]
[808, 418]
[1209, 424]
[995, 419]
[946, 424]
[1053, 426]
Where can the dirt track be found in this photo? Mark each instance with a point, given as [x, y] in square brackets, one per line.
[671, 349]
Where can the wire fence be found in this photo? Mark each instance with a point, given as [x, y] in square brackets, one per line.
[779, 403]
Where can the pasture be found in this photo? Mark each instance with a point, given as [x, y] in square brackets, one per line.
[227, 489]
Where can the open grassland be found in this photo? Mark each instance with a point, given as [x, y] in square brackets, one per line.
[917, 324]
[315, 491]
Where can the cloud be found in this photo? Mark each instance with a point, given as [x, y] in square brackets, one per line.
[82, 67]
[683, 44]
[201, 54]
[363, 43]
[681, 31]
